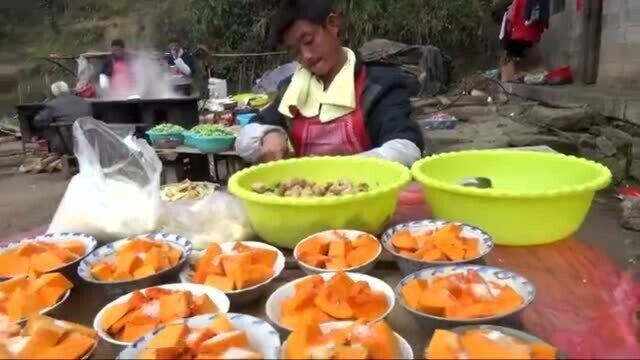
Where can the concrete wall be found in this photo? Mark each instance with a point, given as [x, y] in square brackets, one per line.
[563, 42]
[620, 44]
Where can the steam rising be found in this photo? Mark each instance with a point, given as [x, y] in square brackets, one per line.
[150, 77]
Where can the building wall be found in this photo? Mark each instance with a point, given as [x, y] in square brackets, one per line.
[563, 44]
[620, 44]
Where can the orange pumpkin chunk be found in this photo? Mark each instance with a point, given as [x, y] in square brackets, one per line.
[219, 340]
[170, 337]
[461, 296]
[136, 259]
[46, 338]
[243, 268]
[443, 244]
[22, 297]
[335, 251]
[358, 341]
[317, 301]
[125, 321]
[39, 256]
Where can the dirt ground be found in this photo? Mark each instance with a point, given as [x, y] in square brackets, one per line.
[28, 200]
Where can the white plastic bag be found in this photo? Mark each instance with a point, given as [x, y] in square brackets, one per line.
[117, 192]
[216, 218]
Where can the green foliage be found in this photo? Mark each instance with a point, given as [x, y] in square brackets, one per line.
[242, 24]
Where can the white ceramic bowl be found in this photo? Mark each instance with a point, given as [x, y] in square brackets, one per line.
[516, 334]
[522, 286]
[408, 265]
[117, 288]
[68, 269]
[217, 296]
[262, 336]
[239, 298]
[274, 303]
[404, 349]
[349, 234]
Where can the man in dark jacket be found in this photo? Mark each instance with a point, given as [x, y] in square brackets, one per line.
[334, 104]
[182, 67]
[65, 108]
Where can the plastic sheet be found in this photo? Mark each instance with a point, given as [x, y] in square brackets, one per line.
[215, 218]
[610, 333]
[117, 192]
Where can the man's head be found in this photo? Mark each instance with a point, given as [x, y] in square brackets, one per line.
[59, 88]
[174, 45]
[309, 30]
[117, 48]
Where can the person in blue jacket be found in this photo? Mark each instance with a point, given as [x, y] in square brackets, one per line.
[334, 104]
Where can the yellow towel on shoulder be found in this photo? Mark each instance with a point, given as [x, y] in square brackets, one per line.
[307, 94]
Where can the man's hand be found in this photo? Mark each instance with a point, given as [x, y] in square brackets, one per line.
[274, 147]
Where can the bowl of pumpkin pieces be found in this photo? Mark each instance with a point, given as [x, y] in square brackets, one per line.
[136, 263]
[427, 243]
[221, 336]
[346, 340]
[44, 337]
[129, 317]
[487, 342]
[242, 270]
[329, 297]
[24, 296]
[464, 294]
[60, 252]
[338, 250]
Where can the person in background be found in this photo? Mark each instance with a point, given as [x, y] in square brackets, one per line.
[117, 73]
[64, 108]
[334, 104]
[182, 67]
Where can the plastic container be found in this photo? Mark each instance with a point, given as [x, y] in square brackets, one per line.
[211, 144]
[286, 221]
[537, 198]
[163, 139]
[244, 119]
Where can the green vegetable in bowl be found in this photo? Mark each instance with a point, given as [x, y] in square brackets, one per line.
[212, 130]
[167, 129]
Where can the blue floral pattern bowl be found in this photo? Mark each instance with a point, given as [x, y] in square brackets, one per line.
[117, 288]
[522, 286]
[408, 265]
[262, 337]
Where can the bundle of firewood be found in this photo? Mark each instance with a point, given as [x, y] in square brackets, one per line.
[48, 163]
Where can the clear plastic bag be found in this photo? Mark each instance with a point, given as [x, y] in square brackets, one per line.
[117, 192]
[215, 218]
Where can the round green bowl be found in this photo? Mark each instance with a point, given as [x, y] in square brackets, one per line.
[537, 198]
[286, 221]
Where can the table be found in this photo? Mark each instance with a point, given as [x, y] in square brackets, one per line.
[174, 169]
[567, 273]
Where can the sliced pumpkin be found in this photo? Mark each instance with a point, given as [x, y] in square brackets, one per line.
[171, 336]
[378, 338]
[224, 341]
[443, 345]
[221, 324]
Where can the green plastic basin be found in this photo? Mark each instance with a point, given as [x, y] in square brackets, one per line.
[286, 221]
[537, 198]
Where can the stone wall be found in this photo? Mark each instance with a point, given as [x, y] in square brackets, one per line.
[620, 44]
